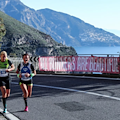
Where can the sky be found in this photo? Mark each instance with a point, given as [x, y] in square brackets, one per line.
[103, 14]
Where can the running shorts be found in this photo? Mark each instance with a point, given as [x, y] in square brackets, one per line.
[29, 83]
[5, 81]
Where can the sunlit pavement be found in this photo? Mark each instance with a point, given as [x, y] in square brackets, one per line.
[53, 99]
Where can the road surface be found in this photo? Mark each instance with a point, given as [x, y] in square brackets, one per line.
[57, 97]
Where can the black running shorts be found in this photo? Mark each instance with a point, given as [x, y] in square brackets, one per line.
[29, 83]
[5, 81]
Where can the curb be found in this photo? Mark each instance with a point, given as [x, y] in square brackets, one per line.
[8, 115]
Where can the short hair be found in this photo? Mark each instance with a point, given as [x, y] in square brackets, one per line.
[25, 54]
[3, 53]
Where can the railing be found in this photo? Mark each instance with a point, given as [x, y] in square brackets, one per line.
[90, 63]
[17, 61]
[101, 55]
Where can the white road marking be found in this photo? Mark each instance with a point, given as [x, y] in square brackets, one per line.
[104, 78]
[8, 115]
[74, 90]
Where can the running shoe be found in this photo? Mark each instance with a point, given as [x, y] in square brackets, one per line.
[5, 110]
[26, 109]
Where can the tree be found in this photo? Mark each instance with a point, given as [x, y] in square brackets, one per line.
[2, 29]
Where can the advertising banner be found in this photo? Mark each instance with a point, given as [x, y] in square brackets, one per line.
[80, 64]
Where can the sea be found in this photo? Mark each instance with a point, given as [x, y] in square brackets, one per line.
[98, 51]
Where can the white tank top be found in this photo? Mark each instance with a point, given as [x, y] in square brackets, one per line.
[24, 70]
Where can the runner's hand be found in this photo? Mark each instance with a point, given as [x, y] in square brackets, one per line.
[20, 76]
[7, 70]
[27, 75]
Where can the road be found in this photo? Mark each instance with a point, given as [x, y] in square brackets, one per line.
[67, 98]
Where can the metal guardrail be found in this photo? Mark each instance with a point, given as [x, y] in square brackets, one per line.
[17, 61]
[105, 55]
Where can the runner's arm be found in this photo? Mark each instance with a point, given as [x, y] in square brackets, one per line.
[18, 69]
[33, 71]
[11, 65]
[12, 68]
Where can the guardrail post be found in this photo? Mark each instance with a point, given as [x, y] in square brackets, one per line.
[91, 56]
[54, 65]
[118, 65]
[108, 73]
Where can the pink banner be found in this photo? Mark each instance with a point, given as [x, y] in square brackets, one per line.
[80, 64]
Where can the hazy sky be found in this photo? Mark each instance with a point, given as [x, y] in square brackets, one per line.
[103, 14]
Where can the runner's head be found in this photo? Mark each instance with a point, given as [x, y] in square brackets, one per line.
[3, 55]
[26, 57]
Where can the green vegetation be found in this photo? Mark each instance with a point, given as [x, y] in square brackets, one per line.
[21, 37]
[2, 29]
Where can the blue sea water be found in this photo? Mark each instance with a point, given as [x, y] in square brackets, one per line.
[99, 50]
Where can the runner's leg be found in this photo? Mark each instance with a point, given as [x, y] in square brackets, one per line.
[30, 90]
[8, 93]
[25, 92]
[3, 90]
[4, 94]
[24, 89]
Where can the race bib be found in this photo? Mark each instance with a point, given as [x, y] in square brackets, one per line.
[3, 73]
[24, 77]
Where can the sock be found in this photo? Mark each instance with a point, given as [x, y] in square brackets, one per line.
[25, 100]
[4, 102]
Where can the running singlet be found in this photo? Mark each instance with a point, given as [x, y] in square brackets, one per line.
[3, 67]
[25, 69]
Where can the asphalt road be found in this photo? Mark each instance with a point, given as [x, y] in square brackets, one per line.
[67, 98]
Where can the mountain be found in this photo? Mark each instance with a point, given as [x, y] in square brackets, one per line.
[21, 37]
[117, 32]
[63, 28]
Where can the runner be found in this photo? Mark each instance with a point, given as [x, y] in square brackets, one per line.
[5, 80]
[25, 72]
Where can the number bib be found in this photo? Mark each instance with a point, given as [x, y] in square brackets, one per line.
[24, 77]
[3, 73]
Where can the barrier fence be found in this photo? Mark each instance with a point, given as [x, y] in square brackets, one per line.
[17, 61]
[74, 64]
[80, 64]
